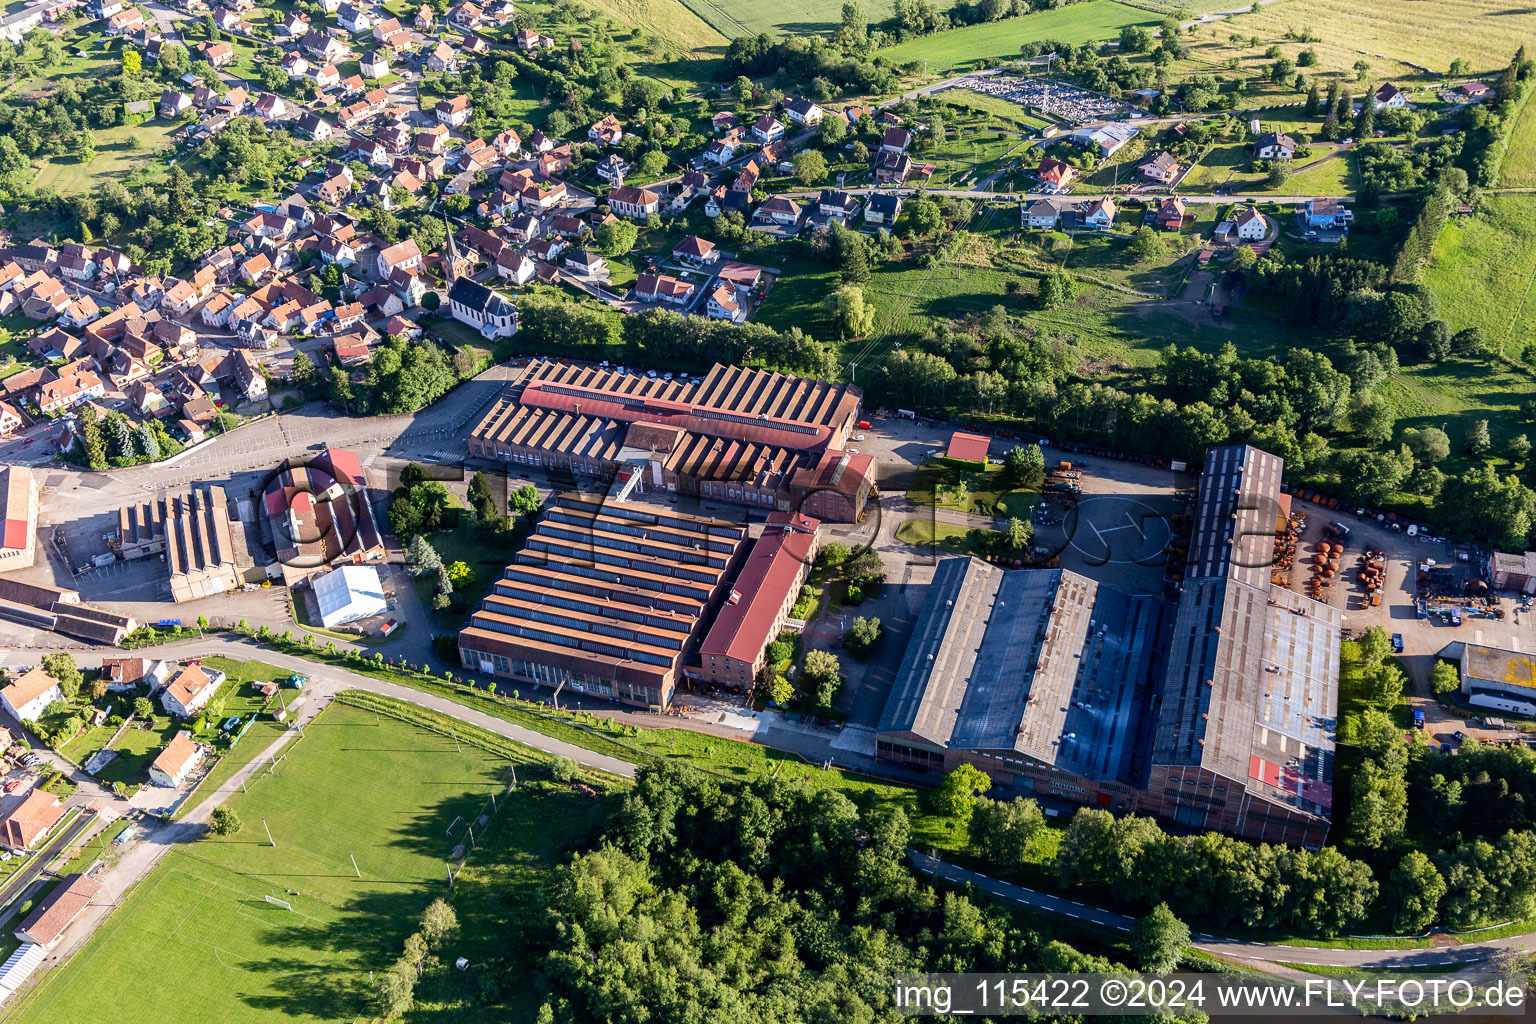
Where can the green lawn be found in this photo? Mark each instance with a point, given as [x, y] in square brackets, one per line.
[114, 159]
[1519, 169]
[934, 536]
[1483, 268]
[1091, 21]
[486, 558]
[378, 789]
[986, 492]
[997, 106]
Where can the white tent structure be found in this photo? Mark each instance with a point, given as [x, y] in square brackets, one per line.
[349, 593]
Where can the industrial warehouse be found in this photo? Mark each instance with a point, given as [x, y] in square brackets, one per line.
[607, 598]
[1214, 711]
[749, 437]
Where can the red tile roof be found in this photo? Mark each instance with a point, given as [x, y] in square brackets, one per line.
[965, 447]
[767, 581]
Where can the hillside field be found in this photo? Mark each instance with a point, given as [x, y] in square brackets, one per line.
[1483, 268]
[1520, 162]
[1395, 38]
[733, 18]
[1093, 21]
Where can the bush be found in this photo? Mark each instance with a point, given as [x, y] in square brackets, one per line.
[855, 594]
[224, 822]
[780, 651]
[563, 769]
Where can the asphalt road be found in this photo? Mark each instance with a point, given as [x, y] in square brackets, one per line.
[1363, 959]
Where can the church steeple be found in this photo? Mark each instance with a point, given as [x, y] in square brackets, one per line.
[451, 264]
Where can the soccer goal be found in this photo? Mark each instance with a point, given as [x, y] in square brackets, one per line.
[281, 903]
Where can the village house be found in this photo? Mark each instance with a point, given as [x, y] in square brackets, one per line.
[375, 64]
[803, 112]
[173, 103]
[69, 391]
[177, 761]
[586, 263]
[1042, 213]
[454, 112]
[606, 132]
[724, 305]
[1274, 146]
[314, 126]
[1170, 214]
[443, 59]
[1250, 225]
[189, 690]
[1055, 173]
[402, 256]
[695, 251]
[892, 167]
[780, 211]
[28, 696]
[515, 266]
[1389, 97]
[323, 46]
[1100, 214]
[1162, 168]
[767, 129]
[612, 169]
[835, 204]
[354, 19]
[216, 54]
[664, 288]
[1324, 215]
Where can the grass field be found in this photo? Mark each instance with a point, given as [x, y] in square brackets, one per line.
[393, 795]
[1520, 162]
[1006, 110]
[734, 18]
[1391, 36]
[1091, 21]
[1483, 268]
[114, 160]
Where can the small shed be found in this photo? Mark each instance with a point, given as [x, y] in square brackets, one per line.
[970, 449]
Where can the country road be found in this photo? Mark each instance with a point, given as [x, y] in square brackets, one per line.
[1234, 949]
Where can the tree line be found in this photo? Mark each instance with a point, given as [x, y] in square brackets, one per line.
[757, 902]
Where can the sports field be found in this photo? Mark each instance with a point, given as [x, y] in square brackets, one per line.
[198, 939]
[1092, 21]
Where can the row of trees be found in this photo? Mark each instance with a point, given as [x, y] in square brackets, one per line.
[662, 337]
